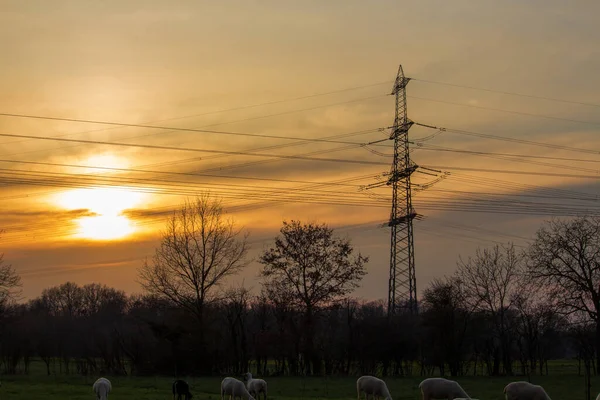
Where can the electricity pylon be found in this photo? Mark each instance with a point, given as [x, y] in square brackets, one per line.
[402, 283]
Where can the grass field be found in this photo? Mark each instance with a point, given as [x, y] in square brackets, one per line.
[563, 383]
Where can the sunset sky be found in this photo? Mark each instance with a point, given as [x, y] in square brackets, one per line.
[281, 68]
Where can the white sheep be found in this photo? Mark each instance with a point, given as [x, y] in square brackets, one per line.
[522, 390]
[102, 387]
[234, 388]
[255, 386]
[441, 388]
[370, 385]
[598, 397]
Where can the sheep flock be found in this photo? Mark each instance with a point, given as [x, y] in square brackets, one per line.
[431, 389]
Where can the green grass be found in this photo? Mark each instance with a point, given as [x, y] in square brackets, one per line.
[563, 383]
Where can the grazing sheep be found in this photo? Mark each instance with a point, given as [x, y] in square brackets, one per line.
[102, 387]
[375, 387]
[255, 386]
[440, 388]
[180, 387]
[522, 390]
[234, 388]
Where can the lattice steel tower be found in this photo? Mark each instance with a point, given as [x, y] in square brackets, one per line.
[402, 284]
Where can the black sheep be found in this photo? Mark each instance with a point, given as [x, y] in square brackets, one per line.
[181, 388]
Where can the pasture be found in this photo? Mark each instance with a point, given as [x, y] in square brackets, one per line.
[563, 383]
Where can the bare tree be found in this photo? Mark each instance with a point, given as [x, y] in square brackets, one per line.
[10, 283]
[314, 268]
[66, 299]
[565, 259]
[199, 248]
[489, 281]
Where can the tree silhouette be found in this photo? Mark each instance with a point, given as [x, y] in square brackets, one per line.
[565, 259]
[312, 268]
[490, 280]
[199, 248]
[10, 283]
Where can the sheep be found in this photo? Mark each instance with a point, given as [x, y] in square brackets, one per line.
[102, 387]
[373, 386]
[255, 386]
[522, 390]
[181, 387]
[234, 388]
[441, 388]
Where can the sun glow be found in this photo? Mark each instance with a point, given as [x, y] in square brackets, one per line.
[108, 204]
[105, 161]
[104, 227]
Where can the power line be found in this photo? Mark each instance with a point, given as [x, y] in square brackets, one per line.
[476, 229]
[508, 157]
[168, 209]
[503, 171]
[164, 173]
[239, 108]
[507, 93]
[257, 135]
[199, 128]
[157, 147]
[489, 194]
[507, 111]
[170, 188]
[509, 139]
[463, 236]
[203, 172]
[476, 152]
[457, 207]
[271, 147]
[497, 207]
[524, 187]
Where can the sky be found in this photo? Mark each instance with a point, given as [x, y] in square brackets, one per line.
[302, 70]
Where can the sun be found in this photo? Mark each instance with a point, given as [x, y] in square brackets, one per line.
[104, 201]
[104, 227]
[107, 204]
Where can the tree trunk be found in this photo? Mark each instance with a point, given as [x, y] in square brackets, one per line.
[598, 342]
[588, 384]
[496, 362]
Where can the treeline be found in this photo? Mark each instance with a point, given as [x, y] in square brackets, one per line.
[503, 312]
[99, 330]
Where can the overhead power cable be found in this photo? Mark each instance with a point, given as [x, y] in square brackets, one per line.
[509, 139]
[332, 197]
[240, 108]
[592, 123]
[473, 180]
[504, 171]
[514, 158]
[157, 147]
[256, 135]
[204, 172]
[430, 147]
[240, 196]
[190, 174]
[507, 93]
